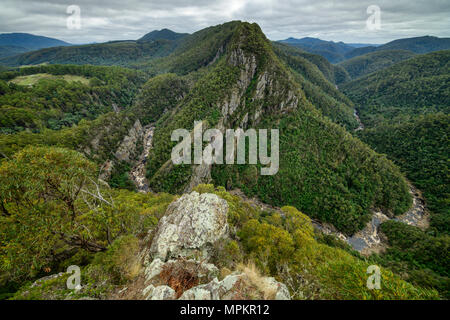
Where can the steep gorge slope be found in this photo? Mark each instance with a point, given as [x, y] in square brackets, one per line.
[319, 80]
[405, 110]
[416, 86]
[229, 76]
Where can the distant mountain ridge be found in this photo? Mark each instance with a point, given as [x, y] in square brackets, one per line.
[419, 45]
[157, 43]
[339, 51]
[163, 34]
[16, 43]
[332, 51]
[30, 41]
[374, 61]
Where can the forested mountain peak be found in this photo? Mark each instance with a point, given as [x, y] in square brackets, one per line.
[423, 44]
[163, 34]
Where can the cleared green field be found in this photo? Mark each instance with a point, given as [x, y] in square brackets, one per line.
[34, 78]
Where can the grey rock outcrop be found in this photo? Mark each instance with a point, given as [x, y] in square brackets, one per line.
[128, 145]
[190, 226]
[180, 251]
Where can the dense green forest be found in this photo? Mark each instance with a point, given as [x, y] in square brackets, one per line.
[421, 148]
[121, 53]
[417, 86]
[337, 52]
[333, 73]
[6, 51]
[310, 71]
[100, 229]
[424, 44]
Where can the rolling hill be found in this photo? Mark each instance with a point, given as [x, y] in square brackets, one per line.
[163, 34]
[123, 53]
[419, 45]
[417, 85]
[336, 52]
[30, 41]
[6, 51]
[405, 108]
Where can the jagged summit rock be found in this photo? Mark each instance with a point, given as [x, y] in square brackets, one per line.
[177, 265]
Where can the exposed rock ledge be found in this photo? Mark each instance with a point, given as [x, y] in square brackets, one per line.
[176, 264]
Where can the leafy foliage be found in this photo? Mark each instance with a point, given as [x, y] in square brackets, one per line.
[283, 244]
[96, 138]
[55, 103]
[159, 96]
[51, 204]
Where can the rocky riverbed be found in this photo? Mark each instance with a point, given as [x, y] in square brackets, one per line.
[137, 174]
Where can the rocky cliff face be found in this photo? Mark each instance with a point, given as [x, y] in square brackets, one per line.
[128, 145]
[177, 264]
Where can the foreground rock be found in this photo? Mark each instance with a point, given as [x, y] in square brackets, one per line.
[191, 225]
[239, 286]
[177, 265]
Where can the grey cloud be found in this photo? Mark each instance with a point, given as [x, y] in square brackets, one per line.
[339, 20]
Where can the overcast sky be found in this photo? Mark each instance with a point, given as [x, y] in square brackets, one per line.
[337, 20]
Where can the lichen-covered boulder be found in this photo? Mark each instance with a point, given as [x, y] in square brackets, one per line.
[162, 293]
[192, 224]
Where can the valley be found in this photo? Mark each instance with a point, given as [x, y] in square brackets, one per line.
[137, 173]
[87, 178]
